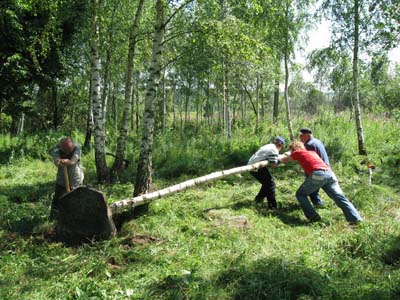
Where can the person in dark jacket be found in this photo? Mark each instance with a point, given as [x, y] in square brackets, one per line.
[313, 144]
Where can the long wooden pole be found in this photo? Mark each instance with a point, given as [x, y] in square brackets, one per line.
[146, 198]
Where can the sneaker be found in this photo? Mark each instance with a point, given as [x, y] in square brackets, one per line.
[315, 218]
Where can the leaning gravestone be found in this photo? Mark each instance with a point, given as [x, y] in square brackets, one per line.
[84, 215]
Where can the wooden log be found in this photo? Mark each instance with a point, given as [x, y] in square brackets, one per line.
[117, 207]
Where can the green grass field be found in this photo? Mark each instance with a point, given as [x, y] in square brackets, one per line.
[210, 242]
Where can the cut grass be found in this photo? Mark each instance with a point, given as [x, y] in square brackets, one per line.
[177, 250]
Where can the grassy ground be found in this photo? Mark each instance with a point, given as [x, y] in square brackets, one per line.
[210, 242]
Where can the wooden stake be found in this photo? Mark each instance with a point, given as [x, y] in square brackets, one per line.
[66, 179]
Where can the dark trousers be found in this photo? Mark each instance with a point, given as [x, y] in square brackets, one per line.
[267, 186]
[59, 191]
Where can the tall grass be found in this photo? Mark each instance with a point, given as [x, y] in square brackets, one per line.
[181, 250]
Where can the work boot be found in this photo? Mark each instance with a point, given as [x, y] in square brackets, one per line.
[272, 206]
[259, 199]
[315, 218]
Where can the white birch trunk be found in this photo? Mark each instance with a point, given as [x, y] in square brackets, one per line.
[144, 170]
[276, 102]
[164, 105]
[99, 134]
[356, 96]
[21, 123]
[89, 121]
[257, 104]
[228, 109]
[144, 199]
[173, 104]
[286, 95]
[123, 129]
[105, 93]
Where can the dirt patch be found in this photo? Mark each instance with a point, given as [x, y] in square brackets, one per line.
[224, 217]
[142, 239]
[233, 221]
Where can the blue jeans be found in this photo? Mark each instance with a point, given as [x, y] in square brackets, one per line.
[326, 180]
[316, 199]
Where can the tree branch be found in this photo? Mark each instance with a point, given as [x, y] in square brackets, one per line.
[175, 12]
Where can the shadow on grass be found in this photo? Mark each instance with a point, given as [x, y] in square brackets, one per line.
[25, 207]
[23, 193]
[289, 213]
[391, 255]
[273, 279]
[263, 279]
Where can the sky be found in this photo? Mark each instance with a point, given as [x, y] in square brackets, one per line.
[319, 38]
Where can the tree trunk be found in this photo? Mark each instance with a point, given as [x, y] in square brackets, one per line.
[116, 111]
[262, 99]
[187, 103]
[106, 82]
[276, 102]
[123, 129]
[105, 92]
[228, 108]
[21, 123]
[242, 108]
[173, 104]
[288, 118]
[356, 96]
[89, 120]
[257, 104]
[99, 134]
[164, 105]
[132, 117]
[137, 104]
[180, 110]
[144, 169]
[55, 106]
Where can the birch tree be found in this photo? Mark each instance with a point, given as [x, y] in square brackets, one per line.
[120, 151]
[358, 25]
[144, 169]
[98, 126]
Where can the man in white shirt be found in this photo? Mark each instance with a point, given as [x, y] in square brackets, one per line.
[269, 152]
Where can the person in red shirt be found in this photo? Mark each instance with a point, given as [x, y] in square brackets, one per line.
[319, 175]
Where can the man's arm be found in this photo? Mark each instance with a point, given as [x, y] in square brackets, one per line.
[286, 157]
[69, 162]
[76, 155]
[56, 157]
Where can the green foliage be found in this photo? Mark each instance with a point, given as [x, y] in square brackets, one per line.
[5, 123]
[36, 39]
[37, 146]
